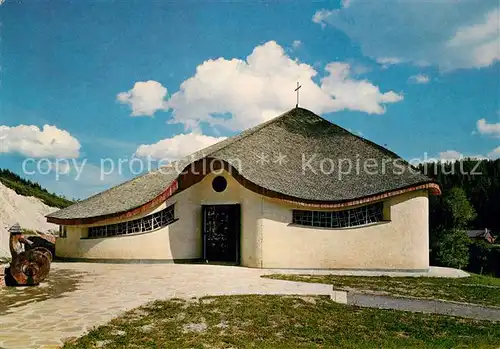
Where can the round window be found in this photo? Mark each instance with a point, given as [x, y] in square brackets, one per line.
[219, 184]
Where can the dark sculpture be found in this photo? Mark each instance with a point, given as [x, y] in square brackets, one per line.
[27, 268]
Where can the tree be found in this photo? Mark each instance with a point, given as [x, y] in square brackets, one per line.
[450, 243]
[480, 253]
[458, 212]
[451, 249]
[480, 180]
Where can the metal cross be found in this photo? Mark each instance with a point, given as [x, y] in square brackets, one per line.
[297, 89]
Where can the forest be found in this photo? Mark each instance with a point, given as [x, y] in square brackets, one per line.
[481, 182]
[470, 200]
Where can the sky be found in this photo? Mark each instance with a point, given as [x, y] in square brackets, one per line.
[87, 84]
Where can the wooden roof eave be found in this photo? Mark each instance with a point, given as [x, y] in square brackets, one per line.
[186, 180]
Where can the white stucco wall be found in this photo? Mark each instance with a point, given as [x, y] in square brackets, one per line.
[179, 240]
[268, 239]
[401, 243]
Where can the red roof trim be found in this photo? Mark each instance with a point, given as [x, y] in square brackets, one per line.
[433, 189]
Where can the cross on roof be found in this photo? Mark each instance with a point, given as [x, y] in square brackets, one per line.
[297, 89]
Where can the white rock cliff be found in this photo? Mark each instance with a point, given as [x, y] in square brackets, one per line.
[29, 212]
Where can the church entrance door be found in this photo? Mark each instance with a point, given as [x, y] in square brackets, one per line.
[221, 233]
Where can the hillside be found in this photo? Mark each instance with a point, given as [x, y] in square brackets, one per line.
[26, 203]
[28, 188]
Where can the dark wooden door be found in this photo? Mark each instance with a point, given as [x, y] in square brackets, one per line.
[221, 233]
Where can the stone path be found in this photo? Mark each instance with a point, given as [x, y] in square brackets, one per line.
[424, 306]
[79, 296]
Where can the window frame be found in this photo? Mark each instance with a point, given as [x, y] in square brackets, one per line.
[340, 219]
[143, 225]
[63, 232]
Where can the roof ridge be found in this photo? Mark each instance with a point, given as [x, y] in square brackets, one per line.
[231, 140]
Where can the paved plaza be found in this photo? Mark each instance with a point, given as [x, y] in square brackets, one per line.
[79, 296]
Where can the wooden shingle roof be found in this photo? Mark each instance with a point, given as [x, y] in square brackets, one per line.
[308, 147]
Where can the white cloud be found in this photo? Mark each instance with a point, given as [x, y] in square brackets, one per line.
[450, 155]
[345, 3]
[359, 133]
[176, 147]
[494, 154]
[482, 31]
[480, 39]
[387, 61]
[321, 16]
[449, 34]
[453, 155]
[359, 69]
[419, 79]
[296, 44]
[145, 98]
[258, 88]
[33, 142]
[488, 129]
[354, 94]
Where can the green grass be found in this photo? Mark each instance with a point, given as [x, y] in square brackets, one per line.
[283, 322]
[476, 289]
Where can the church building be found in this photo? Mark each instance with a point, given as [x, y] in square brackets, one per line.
[294, 192]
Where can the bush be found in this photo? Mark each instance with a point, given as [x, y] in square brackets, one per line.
[484, 258]
[479, 257]
[451, 249]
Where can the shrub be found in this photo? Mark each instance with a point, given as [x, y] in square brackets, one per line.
[451, 249]
[480, 253]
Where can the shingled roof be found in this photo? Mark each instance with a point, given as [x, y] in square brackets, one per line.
[306, 143]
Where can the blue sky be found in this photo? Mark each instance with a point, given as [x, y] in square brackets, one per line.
[118, 79]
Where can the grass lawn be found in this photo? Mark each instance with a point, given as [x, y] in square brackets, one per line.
[476, 289]
[283, 322]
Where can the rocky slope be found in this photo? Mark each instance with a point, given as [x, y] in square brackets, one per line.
[29, 212]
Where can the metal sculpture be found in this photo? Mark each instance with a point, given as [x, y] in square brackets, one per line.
[27, 268]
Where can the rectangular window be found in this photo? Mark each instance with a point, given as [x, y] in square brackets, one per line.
[340, 219]
[142, 225]
[63, 231]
